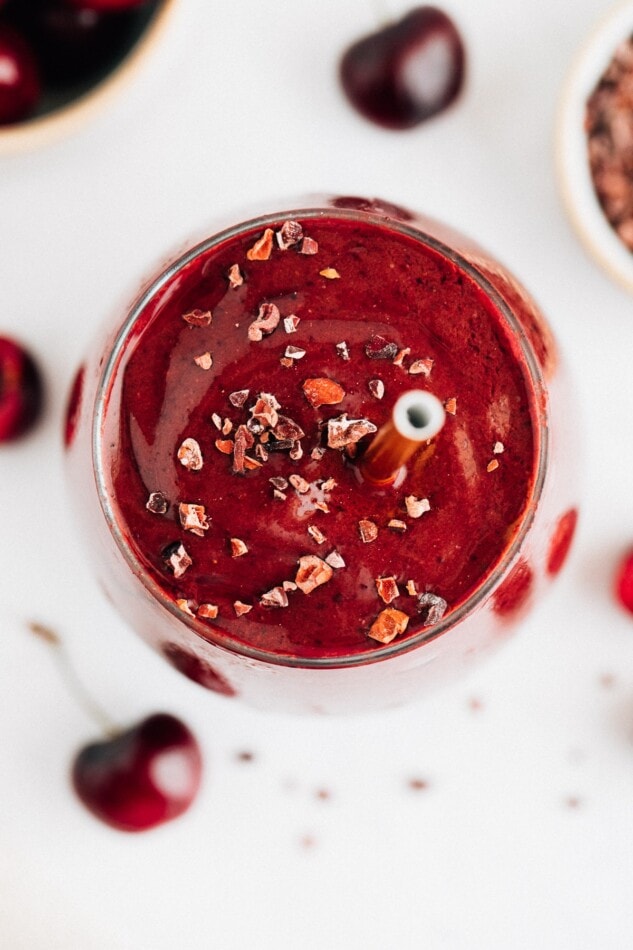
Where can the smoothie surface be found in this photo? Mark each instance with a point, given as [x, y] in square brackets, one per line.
[240, 494]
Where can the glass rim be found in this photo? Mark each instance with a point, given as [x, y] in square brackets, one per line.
[534, 383]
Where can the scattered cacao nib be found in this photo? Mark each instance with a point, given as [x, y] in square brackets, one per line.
[286, 362]
[330, 273]
[376, 388]
[289, 234]
[322, 506]
[190, 455]
[193, 518]
[266, 321]
[389, 624]
[204, 361]
[291, 323]
[387, 589]
[432, 607]
[343, 431]
[309, 246]
[313, 571]
[451, 405]
[335, 560]
[157, 503]
[225, 446]
[498, 448]
[421, 367]
[251, 464]
[289, 585]
[294, 353]
[238, 547]
[492, 465]
[240, 608]
[343, 350]
[398, 359]
[235, 276]
[299, 484]
[208, 611]
[323, 392]
[279, 482]
[412, 589]
[287, 429]
[261, 452]
[317, 535]
[397, 525]
[317, 453]
[416, 506]
[243, 441]
[185, 606]
[239, 397]
[198, 318]
[216, 420]
[418, 784]
[227, 426]
[281, 445]
[262, 248]
[378, 348]
[328, 485]
[175, 557]
[279, 495]
[276, 597]
[265, 410]
[296, 451]
[368, 530]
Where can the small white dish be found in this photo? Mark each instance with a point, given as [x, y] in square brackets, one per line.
[572, 161]
[50, 125]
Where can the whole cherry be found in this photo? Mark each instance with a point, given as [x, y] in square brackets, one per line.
[142, 777]
[20, 390]
[136, 778]
[406, 72]
[19, 77]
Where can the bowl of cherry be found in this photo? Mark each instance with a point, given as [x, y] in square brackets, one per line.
[60, 58]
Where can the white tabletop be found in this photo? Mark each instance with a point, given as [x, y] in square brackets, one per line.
[523, 835]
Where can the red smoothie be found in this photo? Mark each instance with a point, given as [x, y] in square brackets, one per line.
[242, 403]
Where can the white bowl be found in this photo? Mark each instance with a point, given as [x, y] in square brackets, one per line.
[572, 161]
[56, 122]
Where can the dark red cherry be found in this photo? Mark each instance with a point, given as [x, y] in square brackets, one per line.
[19, 77]
[624, 582]
[408, 71]
[105, 6]
[20, 390]
[141, 778]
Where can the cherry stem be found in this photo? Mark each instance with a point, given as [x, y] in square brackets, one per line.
[73, 682]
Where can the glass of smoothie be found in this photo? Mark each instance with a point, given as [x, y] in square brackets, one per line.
[224, 443]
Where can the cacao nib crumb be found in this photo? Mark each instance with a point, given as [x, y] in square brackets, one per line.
[216, 420]
[398, 359]
[289, 585]
[330, 273]
[323, 391]
[157, 503]
[280, 445]
[451, 405]
[227, 427]
[235, 276]
[225, 446]
[276, 597]
[389, 624]
[289, 234]
[261, 452]
[193, 518]
[287, 430]
[328, 485]
[296, 452]
[343, 431]
[313, 571]
[190, 455]
[378, 348]
[368, 530]
[416, 507]
[317, 453]
[239, 397]
[266, 321]
[243, 441]
[432, 608]
[279, 482]
[286, 362]
[262, 248]
[498, 448]
[299, 484]
[208, 611]
[294, 353]
[176, 558]
[291, 323]
[241, 608]
[412, 588]
[198, 318]
[376, 388]
[279, 495]
[317, 535]
[185, 606]
[309, 246]
[418, 784]
[238, 547]
[265, 411]
[343, 350]
[397, 525]
[492, 465]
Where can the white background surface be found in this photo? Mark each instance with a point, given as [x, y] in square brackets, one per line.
[493, 853]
